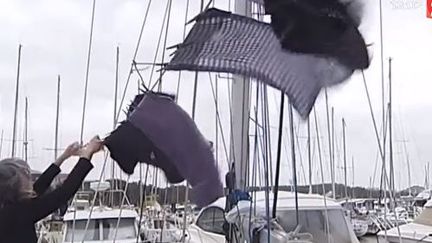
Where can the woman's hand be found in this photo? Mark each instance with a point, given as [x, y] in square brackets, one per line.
[92, 147]
[70, 151]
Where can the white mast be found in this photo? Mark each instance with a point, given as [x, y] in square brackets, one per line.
[239, 150]
[25, 143]
[344, 156]
[16, 103]
[309, 154]
[57, 119]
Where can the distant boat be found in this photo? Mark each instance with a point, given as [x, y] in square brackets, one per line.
[417, 231]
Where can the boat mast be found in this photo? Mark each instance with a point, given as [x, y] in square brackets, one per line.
[25, 143]
[309, 154]
[279, 150]
[16, 102]
[115, 120]
[333, 151]
[344, 155]
[353, 181]
[57, 119]
[392, 186]
[330, 146]
[239, 152]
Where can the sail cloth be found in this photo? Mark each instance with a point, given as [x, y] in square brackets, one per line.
[159, 132]
[224, 42]
[324, 27]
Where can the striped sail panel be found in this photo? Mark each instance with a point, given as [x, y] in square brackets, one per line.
[224, 42]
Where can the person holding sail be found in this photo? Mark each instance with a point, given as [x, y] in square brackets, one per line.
[22, 204]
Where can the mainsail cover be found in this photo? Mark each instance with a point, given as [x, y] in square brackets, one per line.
[224, 42]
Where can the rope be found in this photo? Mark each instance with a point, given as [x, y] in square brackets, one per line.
[219, 120]
[85, 93]
[87, 72]
[94, 199]
[184, 37]
[134, 58]
[158, 43]
[121, 208]
[380, 149]
[142, 202]
[165, 42]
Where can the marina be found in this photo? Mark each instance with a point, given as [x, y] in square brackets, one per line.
[214, 121]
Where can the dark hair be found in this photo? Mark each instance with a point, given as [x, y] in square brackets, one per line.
[14, 174]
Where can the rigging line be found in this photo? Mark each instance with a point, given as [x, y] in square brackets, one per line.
[377, 159]
[194, 99]
[266, 155]
[216, 121]
[375, 126]
[121, 208]
[383, 167]
[330, 144]
[293, 159]
[322, 175]
[184, 37]
[134, 58]
[157, 81]
[142, 202]
[140, 76]
[279, 151]
[255, 161]
[165, 41]
[159, 43]
[219, 122]
[296, 131]
[269, 139]
[87, 72]
[94, 198]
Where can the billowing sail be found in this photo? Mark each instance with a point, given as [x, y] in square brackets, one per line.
[224, 42]
[159, 132]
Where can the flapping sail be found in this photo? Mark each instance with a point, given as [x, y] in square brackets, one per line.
[320, 27]
[224, 42]
[158, 132]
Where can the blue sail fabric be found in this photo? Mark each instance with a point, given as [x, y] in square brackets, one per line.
[224, 42]
[169, 139]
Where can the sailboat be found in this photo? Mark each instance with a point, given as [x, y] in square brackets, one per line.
[101, 223]
[417, 231]
[313, 216]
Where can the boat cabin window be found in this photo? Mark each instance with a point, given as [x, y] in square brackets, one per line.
[76, 233]
[425, 217]
[314, 222]
[101, 229]
[125, 230]
[212, 220]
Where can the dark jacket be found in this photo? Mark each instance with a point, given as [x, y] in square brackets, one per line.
[17, 222]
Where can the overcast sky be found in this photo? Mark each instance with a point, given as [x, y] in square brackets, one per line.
[55, 34]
